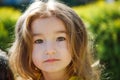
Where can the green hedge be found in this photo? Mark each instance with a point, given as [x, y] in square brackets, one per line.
[76, 2]
[8, 17]
[103, 20]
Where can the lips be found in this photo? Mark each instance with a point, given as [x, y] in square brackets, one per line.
[52, 60]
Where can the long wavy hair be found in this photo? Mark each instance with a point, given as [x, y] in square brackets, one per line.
[21, 51]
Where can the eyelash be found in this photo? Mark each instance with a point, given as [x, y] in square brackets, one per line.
[40, 41]
[61, 39]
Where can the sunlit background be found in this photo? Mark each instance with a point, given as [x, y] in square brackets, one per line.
[102, 20]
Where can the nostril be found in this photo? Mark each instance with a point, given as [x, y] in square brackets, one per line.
[50, 52]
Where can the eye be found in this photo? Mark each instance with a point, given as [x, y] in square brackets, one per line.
[61, 39]
[39, 41]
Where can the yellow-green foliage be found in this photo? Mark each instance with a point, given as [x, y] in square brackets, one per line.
[9, 12]
[8, 17]
[103, 20]
[105, 10]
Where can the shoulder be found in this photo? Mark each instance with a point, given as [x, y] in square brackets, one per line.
[74, 78]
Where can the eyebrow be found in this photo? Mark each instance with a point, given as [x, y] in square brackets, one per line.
[57, 32]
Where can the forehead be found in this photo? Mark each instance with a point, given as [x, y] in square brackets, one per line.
[47, 25]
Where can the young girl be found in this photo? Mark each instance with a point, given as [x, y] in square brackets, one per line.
[51, 44]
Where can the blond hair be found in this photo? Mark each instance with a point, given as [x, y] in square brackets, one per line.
[21, 51]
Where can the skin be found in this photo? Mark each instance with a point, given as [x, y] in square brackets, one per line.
[50, 47]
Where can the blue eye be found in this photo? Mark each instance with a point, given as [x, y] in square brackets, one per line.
[39, 41]
[61, 39]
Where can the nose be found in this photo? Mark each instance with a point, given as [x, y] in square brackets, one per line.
[50, 48]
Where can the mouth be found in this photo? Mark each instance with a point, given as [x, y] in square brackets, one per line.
[52, 60]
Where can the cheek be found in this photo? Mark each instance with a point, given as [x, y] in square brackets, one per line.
[37, 55]
[63, 49]
[38, 49]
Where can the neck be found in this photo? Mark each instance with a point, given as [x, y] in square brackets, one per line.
[54, 75]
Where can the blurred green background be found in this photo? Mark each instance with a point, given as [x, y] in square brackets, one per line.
[102, 19]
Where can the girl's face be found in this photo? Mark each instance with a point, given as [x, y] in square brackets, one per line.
[50, 45]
